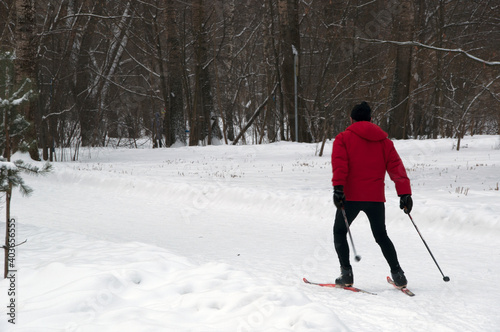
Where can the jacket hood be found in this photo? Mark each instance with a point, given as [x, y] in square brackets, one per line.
[367, 130]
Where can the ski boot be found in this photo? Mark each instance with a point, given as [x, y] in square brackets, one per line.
[399, 278]
[346, 278]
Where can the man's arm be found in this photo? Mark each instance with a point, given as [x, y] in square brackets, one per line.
[396, 170]
[340, 166]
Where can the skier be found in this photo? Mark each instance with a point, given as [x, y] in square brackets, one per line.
[361, 156]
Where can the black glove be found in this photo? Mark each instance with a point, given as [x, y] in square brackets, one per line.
[406, 203]
[338, 196]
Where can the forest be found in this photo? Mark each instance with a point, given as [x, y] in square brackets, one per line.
[202, 72]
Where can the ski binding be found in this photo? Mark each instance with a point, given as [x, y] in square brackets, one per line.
[403, 289]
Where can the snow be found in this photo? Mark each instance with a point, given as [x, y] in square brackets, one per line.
[218, 238]
[6, 103]
[7, 165]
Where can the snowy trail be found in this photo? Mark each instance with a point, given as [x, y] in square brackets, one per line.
[259, 218]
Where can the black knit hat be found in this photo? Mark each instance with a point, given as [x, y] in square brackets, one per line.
[361, 112]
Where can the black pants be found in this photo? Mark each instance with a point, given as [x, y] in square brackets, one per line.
[375, 211]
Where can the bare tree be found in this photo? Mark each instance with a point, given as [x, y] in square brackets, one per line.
[26, 67]
[203, 120]
[428, 68]
[400, 92]
[174, 119]
[290, 45]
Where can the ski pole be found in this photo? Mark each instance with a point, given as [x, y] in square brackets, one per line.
[445, 278]
[356, 256]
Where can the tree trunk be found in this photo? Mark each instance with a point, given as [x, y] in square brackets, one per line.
[84, 93]
[229, 21]
[400, 92]
[26, 68]
[290, 39]
[268, 46]
[177, 130]
[8, 195]
[438, 87]
[498, 123]
[420, 71]
[204, 104]
[279, 93]
[167, 123]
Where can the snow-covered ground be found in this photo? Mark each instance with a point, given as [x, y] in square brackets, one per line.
[218, 238]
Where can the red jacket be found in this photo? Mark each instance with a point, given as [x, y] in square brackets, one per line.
[361, 155]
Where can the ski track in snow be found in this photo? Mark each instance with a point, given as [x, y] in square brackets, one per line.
[218, 239]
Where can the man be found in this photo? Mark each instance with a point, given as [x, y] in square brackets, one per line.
[360, 158]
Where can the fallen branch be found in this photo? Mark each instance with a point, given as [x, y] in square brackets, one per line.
[254, 116]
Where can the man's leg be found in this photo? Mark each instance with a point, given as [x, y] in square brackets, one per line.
[375, 212]
[340, 232]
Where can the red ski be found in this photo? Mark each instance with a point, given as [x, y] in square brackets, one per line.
[350, 288]
[403, 289]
